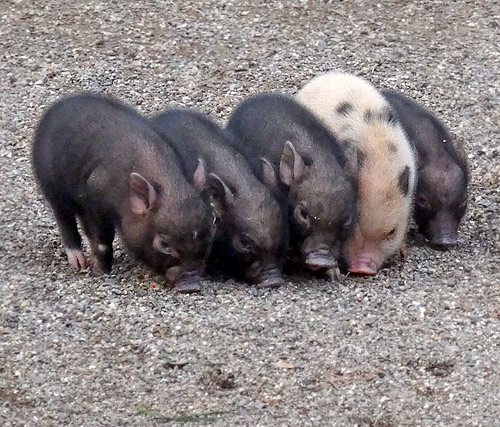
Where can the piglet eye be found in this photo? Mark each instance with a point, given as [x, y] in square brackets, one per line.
[243, 243]
[161, 243]
[390, 233]
[422, 201]
[301, 215]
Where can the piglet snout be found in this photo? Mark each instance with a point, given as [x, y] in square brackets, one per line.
[446, 239]
[363, 265]
[184, 282]
[271, 279]
[320, 260]
[188, 283]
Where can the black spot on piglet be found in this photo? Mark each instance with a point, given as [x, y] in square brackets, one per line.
[368, 116]
[345, 108]
[404, 181]
[386, 115]
[391, 117]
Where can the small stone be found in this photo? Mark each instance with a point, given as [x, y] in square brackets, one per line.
[320, 45]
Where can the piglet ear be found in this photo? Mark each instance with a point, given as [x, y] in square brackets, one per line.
[142, 194]
[220, 190]
[161, 243]
[268, 173]
[354, 160]
[200, 175]
[404, 181]
[291, 164]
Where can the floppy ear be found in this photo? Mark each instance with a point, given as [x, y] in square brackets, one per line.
[291, 164]
[268, 173]
[220, 190]
[161, 243]
[200, 175]
[354, 160]
[142, 194]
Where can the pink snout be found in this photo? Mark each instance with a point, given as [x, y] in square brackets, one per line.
[364, 264]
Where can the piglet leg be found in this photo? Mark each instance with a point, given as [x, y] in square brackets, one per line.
[404, 251]
[71, 238]
[100, 232]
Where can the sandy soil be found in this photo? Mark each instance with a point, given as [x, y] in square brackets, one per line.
[419, 344]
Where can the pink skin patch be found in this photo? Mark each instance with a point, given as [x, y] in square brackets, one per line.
[76, 259]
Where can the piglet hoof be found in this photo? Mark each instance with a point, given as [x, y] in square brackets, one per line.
[76, 259]
[99, 267]
[101, 259]
[98, 270]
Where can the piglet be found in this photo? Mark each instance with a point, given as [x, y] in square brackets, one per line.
[251, 222]
[99, 161]
[306, 168]
[441, 195]
[357, 114]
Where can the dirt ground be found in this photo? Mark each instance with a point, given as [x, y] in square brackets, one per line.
[417, 345]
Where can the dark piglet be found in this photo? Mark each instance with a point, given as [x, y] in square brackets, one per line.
[293, 154]
[100, 161]
[441, 196]
[251, 223]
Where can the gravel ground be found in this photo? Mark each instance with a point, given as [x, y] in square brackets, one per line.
[419, 344]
